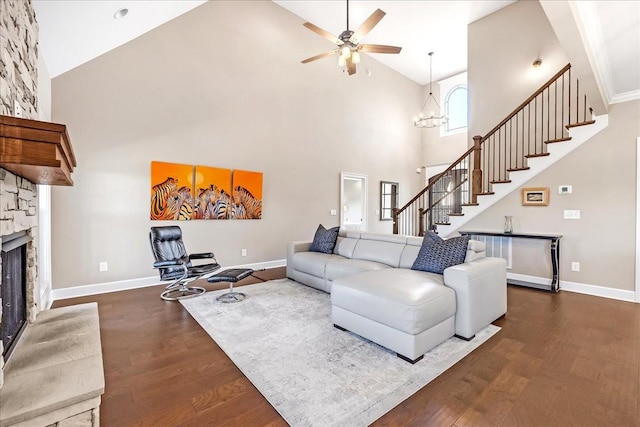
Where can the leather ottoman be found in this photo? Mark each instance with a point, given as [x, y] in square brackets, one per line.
[406, 311]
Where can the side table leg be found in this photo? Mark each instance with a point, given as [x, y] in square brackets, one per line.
[555, 263]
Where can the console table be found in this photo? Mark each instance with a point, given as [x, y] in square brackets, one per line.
[554, 249]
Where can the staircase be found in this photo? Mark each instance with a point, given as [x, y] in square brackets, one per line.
[548, 125]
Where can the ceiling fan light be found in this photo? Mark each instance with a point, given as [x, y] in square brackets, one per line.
[346, 51]
[342, 61]
[355, 57]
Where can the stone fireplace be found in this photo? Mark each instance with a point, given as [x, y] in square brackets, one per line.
[18, 202]
[54, 375]
[19, 93]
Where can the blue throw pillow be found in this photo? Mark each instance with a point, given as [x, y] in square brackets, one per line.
[433, 236]
[324, 240]
[435, 256]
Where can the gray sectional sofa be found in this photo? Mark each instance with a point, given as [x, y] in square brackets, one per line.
[376, 294]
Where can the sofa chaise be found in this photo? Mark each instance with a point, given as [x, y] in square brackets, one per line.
[376, 294]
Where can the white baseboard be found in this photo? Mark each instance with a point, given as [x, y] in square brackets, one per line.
[123, 285]
[581, 288]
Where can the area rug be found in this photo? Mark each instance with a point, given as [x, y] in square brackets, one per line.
[282, 339]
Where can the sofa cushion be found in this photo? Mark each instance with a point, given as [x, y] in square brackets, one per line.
[344, 267]
[312, 262]
[324, 240]
[345, 245]
[435, 256]
[407, 300]
[383, 248]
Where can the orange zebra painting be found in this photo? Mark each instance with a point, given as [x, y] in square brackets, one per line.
[247, 195]
[171, 191]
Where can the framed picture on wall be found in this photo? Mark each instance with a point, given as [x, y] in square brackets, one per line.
[535, 196]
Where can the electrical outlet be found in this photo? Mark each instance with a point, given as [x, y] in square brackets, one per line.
[104, 266]
[17, 109]
[575, 266]
[244, 252]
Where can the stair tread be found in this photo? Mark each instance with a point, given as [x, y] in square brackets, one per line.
[470, 204]
[506, 181]
[573, 125]
[456, 214]
[525, 168]
[528, 156]
[552, 141]
[442, 223]
[486, 194]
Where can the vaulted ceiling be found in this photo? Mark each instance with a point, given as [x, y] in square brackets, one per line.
[73, 32]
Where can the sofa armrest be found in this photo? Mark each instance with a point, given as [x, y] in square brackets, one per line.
[481, 293]
[294, 247]
[298, 246]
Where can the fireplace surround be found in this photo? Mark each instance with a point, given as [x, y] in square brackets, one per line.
[13, 287]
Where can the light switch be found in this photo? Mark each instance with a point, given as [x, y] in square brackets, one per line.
[572, 214]
[333, 212]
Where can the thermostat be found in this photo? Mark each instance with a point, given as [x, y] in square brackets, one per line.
[564, 189]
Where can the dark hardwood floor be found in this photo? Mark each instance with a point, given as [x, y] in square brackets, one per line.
[561, 359]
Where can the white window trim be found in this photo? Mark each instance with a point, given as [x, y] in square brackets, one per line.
[445, 87]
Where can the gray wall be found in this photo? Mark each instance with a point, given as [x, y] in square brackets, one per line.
[602, 171]
[223, 86]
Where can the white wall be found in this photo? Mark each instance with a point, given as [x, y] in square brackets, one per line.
[223, 86]
[502, 47]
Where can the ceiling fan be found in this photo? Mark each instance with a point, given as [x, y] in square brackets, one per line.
[348, 42]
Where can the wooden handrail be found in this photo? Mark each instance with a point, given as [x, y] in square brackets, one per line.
[491, 157]
[424, 190]
[527, 101]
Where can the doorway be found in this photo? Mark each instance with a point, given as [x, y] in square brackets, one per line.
[353, 201]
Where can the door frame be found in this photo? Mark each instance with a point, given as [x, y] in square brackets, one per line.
[637, 220]
[365, 190]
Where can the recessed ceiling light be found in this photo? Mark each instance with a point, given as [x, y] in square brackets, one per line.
[120, 13]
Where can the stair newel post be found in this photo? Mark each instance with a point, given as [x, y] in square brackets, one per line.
[394, 213]
[421, 222]
[476, 177]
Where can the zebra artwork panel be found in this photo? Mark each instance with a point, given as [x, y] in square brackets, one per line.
[246, 195]
[184, 192]
[171, 191]
[212, 193]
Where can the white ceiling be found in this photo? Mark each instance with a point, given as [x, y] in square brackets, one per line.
[73, 32]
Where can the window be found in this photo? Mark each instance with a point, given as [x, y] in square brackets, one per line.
[455, 108]
[454, 101]
[388, 199]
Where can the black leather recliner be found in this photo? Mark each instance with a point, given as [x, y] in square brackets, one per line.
[175, 264]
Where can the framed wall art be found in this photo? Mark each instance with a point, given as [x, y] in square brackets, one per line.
[535, 196]
[171, 191]
[212, 193]
[247, 195]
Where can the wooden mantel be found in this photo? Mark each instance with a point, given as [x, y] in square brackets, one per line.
[38, 151]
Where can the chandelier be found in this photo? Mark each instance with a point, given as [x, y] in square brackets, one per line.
[430, 116]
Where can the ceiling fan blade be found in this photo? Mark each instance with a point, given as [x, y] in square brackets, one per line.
[379, 48]
[367, 26]
[327, 35]
[351, 66]
[322, 55]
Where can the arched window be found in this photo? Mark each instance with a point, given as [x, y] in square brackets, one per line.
[455, 108]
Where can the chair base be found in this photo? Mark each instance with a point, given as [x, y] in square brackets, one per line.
[182, 292]
[230, 297]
